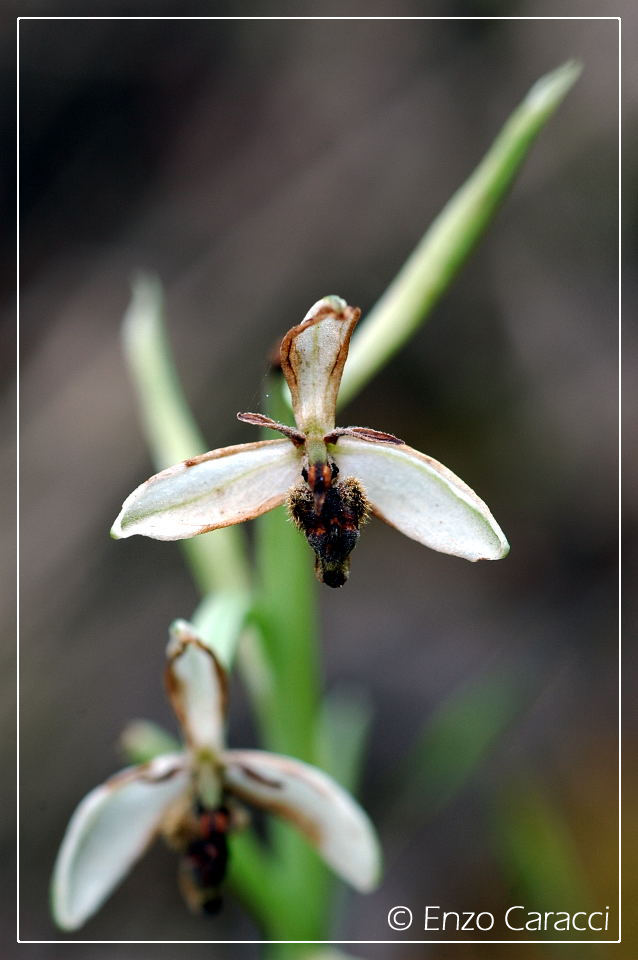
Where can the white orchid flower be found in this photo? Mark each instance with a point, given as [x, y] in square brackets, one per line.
[189, 796]
[331, 477]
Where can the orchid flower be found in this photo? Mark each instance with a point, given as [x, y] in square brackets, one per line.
[331, 477]
[191, 797]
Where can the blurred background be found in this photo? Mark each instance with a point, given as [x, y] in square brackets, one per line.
[256, 166]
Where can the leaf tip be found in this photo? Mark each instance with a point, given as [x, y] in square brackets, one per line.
[550, 89]
[145, 306]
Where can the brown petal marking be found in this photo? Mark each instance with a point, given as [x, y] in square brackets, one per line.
[363, 433]
[150, 778]
[275, 501]
[259, 420]
[260, 778]
[173, 685]
[296, 770]
[218, 454]
[349, 315]
[307, 826]
[214, 455]
[143, 771]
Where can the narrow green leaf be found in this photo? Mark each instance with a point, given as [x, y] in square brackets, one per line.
[286, 614]
[220, 620]
[434, 263]
[344, 727]
[251, 877]
[454, 742]
[538, 850]
[216, 559]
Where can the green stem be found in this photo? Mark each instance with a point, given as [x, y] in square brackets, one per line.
[252, 877]
[217, 560]
[286, 612]
[438, 257]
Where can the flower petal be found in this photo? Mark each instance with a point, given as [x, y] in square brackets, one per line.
[214, 490]
[422, 499]
[312, 357]
[365, 433]
[328, 816]
[197, 687]
[260, 420]
[108, 832]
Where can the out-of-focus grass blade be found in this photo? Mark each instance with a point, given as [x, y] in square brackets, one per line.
[454, 742]
[329, 953]
[285, 615]
[344, 726]
[220, 619]
[436, 260]
[538, 850]
[291, 951]
[216, 559]
[252, 876]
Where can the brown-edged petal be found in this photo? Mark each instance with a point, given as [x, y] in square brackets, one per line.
[312, 357]
[214, 490]
[328, 816]
[109, 831]
[422, 498]
[197, 687]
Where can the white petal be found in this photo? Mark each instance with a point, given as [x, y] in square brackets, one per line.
[214, 490]
[197, 687]
[315, 803]
[108, 832]
[422, 499]
[312, 357]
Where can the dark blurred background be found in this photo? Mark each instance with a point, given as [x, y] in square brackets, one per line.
[256, 166]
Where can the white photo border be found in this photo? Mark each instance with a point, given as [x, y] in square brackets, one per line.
[395, 941]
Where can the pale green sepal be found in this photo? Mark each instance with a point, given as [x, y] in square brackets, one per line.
[435, 261]
[143, 740]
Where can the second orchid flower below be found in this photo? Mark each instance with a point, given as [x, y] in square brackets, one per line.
[194, 798]
[331, 477]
